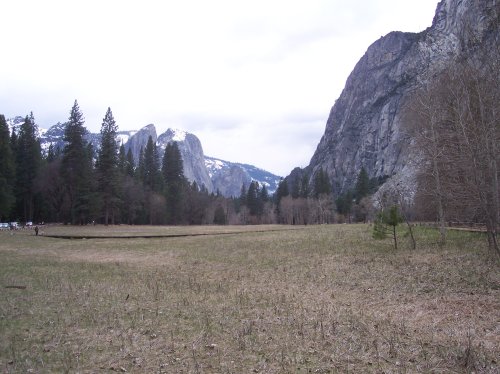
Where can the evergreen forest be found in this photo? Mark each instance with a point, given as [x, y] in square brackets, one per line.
[79, 185]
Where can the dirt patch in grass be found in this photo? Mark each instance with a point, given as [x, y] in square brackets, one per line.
[321, 299]
[130, 232]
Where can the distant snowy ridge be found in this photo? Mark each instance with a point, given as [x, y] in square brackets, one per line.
[221, 170]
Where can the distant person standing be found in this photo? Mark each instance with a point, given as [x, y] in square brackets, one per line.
[36, 230]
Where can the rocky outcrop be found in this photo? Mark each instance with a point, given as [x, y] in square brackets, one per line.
[216, 175]
[139, 140]
[228, 177]
[364, 126]
[189, 146]
[191, 153]
[228, 182]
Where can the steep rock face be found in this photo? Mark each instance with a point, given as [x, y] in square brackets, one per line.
[228, 177]
[230, 180]
[192, 155]
[139, 140]
[216, 175]
[364, 126]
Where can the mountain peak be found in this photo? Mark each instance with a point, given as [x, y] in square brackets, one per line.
[176, 135]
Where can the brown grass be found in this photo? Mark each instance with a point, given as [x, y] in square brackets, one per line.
[320, 299]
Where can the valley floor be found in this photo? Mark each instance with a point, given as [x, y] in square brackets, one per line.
[262, 299]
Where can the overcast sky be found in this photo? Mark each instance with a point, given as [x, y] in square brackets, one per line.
[254, 80]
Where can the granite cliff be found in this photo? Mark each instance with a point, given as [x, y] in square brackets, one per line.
[139, 140]
[189, 145]
[215, 174]
[364, 125]
[191, 153]
[228, 177]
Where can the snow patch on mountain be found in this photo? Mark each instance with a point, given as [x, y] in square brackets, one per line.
[179, 135]
[214, 165]
[122, 137]
[220, 169]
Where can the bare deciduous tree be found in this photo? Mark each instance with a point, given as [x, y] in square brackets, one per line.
[425, 121]
[474, 94]
[456, 127]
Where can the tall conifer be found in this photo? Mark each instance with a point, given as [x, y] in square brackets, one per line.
[151, 171]
[75, 166]
[175, 183]
[129, 167]
[322, 185]
[122, 160]
[362, 188]
[107, 165]
[7, 171]
[28, 157]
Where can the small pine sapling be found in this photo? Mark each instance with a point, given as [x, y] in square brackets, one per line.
[386, 222]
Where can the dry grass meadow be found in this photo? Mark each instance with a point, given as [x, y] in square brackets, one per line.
[261, 299]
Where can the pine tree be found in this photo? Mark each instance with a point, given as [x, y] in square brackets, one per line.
[281, 192]
[175, 183]
[7, 171]
[51, 154]
[344, 204]
[362, 188]
[107, 165]
[253, 198]
[51, 187]
[219, 216]
[90, 203]
[28, 160]
[122, 160]
[322, 184]
[151, 171]
[243, 195]
[76, 167]
[296, 184]
[158, 178]
[172, 166]
[304, 186]
[140, 166]
[386, 222]
[197, 202]
[129, 169]
[264, 195]
[13, 141]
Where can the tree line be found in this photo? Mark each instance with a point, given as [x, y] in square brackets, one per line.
[77, 184]
[301, 199]
[452, 125]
